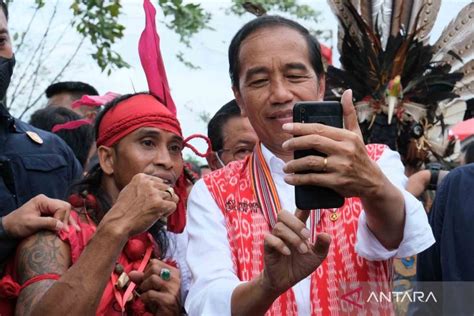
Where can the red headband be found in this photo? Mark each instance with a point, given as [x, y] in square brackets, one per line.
[138, 111]
[144, 110]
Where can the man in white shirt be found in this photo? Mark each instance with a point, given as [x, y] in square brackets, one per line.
[247, 255]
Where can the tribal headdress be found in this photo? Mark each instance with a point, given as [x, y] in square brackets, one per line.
[153, 109]
[407, 92]
[156, 109]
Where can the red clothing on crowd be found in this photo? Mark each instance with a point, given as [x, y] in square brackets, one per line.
[130, 258]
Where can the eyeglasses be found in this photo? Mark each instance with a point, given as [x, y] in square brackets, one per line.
[238, 153]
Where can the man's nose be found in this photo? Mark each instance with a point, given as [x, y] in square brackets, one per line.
[280, 92]
[163, 157]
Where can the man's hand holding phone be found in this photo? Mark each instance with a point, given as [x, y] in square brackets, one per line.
[347, 169]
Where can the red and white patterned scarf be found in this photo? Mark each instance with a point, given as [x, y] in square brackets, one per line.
[247, 197]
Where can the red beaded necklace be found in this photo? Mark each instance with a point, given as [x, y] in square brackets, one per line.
[138, 250]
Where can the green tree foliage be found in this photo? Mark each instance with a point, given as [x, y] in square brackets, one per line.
[292, 7]
[187, 19]
[98, 21]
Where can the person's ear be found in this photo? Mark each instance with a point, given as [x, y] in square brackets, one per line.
[91, 115]
[321, 87]
[240, 103]
[106, 159]
[212, 161]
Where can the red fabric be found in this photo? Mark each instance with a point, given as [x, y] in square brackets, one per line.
[129, 115]
[9, 288]
[343, 270]
[462, 130]
[70, 125]
[77, 201]
[94, 100]
[154, 68]
[326, 52]
[152, 62]
[78, 241]
[206, 139]
[140, 253]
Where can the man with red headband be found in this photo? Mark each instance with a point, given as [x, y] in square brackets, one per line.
[119, 260]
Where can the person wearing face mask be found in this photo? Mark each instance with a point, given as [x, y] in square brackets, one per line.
[32, 162]
[231, 135]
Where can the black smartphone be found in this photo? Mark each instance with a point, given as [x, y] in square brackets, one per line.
[309, 197]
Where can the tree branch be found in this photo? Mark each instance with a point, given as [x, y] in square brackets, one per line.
[57, 77]
[39, 48]
[22, 39]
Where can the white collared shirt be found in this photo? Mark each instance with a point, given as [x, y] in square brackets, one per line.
[209, 255]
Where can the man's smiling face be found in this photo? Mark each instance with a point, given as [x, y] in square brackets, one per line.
[275, 73]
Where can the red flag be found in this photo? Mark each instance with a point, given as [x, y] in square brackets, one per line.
[152, 62]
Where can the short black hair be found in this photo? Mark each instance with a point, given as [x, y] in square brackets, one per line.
[217, 122]
[4, 7]
[75, 88]
[79, 139]
[269, 21]
[468, 151]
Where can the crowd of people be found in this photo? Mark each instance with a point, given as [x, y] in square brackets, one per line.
[101, 215]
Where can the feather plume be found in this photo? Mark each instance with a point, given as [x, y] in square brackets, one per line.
[339, 8]
[377, 7]
[459, 28]
[457, 51]
[383, 16]
[466, 80]
[395, 23]
[415, 12]
[465, 91]
[437, 139]
[364, 111]
[366, 13]
[452, 112]
[415, 110]
[405, 15]
[374, 52]
[428, 15]
[467, 69]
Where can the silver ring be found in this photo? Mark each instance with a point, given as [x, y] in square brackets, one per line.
[170, 190]
[165, 274]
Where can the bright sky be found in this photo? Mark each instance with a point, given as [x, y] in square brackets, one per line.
[205, 89]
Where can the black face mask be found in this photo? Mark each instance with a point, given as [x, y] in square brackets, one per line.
[6, 71]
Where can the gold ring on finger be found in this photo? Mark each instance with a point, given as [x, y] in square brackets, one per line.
[170, 190]
[325, 164]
